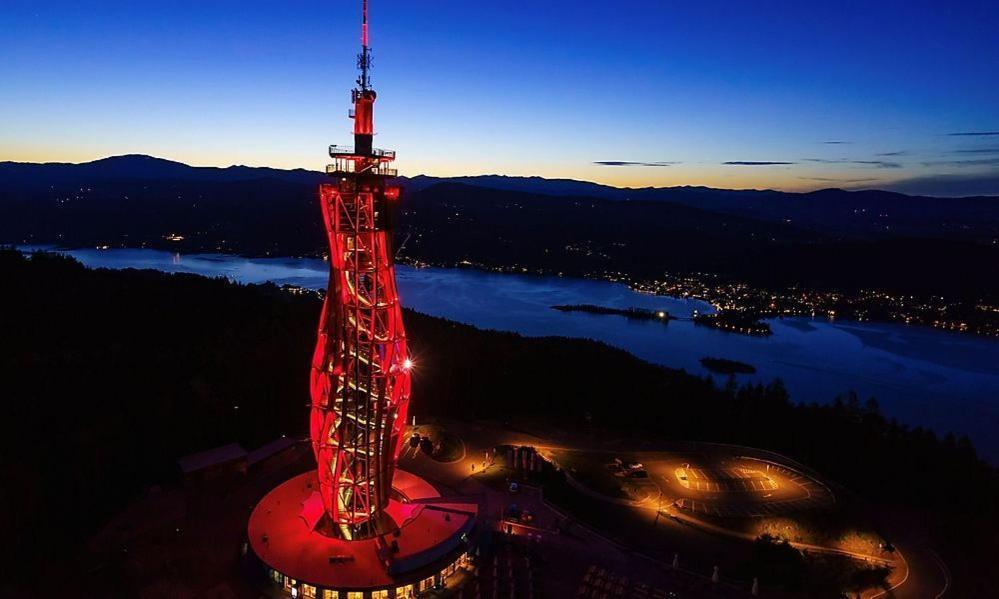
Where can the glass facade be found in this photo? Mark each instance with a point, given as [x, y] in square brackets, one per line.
[295, 589]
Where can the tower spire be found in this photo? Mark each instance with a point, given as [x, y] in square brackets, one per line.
[364, 58]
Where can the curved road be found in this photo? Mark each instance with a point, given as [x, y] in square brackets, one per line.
[924, 575]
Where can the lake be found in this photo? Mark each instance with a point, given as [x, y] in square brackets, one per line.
[921, 376]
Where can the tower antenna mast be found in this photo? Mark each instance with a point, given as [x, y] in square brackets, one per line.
[364, 58]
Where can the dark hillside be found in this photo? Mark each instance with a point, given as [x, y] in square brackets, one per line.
[826, 240]
[109, 376]
[643, 239]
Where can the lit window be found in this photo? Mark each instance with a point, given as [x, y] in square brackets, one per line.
[289, 583]
[355, 595]
[405, 592]
[426, 583]
[328, 594]
[277, 576]
[382, 594]
[309, 591]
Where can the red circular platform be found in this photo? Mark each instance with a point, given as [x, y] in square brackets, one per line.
[432, 535]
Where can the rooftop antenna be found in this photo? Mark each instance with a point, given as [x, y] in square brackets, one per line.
[364, 58]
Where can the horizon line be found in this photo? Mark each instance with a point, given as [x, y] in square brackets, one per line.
[586, 181]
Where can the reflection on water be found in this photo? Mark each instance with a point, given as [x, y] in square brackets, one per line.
[919, 375]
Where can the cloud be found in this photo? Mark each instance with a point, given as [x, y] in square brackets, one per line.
[878, 163]
[837, 142]
[897, 153]
[833, 180]
[630, 163]
[977, 151]
[971, 162]
[754, 163]
[874, 163]
[944, 185]
[974, 133]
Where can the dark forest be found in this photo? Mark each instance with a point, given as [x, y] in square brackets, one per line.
[110, 376]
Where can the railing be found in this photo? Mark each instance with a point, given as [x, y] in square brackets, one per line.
[346, 166]
[336, 150]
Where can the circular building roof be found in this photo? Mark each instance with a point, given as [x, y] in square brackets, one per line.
[282, 532]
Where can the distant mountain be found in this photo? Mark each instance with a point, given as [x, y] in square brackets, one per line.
[642, 239]
[537, 185]
[577, 233]
[828, 238]
[853, 213]
[863, 214]
[28, 175]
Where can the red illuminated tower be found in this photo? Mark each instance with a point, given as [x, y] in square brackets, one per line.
[356, 527]
[360, 369]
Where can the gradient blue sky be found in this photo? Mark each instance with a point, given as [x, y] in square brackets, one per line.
[851, 94]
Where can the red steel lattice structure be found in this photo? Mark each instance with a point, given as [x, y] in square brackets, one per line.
[360, 369]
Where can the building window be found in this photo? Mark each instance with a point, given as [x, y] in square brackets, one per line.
[355, 595]
[277, 577]
[405, 592]
[382, 594]
[289, 583]
[426, 583]
[309, 591]
[328, 594]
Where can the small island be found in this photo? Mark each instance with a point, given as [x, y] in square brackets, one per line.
[723, 366]
[744, 323]
[632, 313]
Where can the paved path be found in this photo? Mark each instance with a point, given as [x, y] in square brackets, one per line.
[918, 572]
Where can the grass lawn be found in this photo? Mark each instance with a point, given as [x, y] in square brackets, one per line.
[590, 469]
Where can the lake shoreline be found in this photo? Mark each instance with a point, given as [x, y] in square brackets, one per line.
[636, 287]
[907, 368]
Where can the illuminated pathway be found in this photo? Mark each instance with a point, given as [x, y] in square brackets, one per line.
[917, 571]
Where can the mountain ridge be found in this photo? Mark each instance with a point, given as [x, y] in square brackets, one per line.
[492, 180]
[830, 211]
[824, 240]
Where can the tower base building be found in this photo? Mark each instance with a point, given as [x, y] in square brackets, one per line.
[293, 549]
